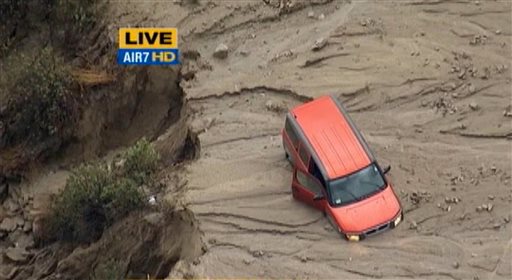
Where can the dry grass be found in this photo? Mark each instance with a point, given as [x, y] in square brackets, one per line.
[88, 77]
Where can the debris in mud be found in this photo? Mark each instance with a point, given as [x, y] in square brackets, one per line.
[284, 56]
[275, 107]
[456, 179]
[444, 104]
[8, 272]
[486, 73]
[453, 200]
[508, 111]
[244, 52]
[417, 197]
[473, 106]
[413, 225]
[17, 254]
[8, 225]
[446, 208]
[321, 17]
[478, 40]
[311, 14]
[221, 51]
[455, 265]
[368, 22]
[258, 254]
[319, 44]
[304, 259]
[485, 207]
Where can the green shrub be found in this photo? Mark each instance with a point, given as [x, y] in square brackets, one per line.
[12, 10]
[78, 211]
[96, 195]
[141, 160]
[79, 15]
[109, 270]
[38, 99]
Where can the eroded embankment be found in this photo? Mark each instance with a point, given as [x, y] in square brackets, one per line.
[146, 102]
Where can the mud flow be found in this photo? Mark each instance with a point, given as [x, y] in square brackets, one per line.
[427, 82]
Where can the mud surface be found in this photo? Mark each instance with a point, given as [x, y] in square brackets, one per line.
[428, 83]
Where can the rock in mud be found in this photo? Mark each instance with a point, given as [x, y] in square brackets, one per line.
[221, 52]
[490, 206]
[456, 265]
[8, 225]
[311, 14]
[319, 44]
[24, 241]
[11, 206]
[17, 255]
[474, 106]
[304, 259]
[258, 254]
[7, 272]
[19, 221]
[321, 17]
[413, 225]
[275, 107]
[244, 52]
[508, 111]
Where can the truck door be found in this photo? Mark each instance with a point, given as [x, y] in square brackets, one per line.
[305, 187]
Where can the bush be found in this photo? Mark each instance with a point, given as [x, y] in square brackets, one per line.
[12, 10]
[141, 160]
[96, 195]
[109, 270]
[38, 99]
[79, 15]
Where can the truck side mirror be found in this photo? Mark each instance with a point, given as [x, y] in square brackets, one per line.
[386, 169]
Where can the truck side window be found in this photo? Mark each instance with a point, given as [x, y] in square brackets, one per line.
[304, 155]
[291, 133]
[315, 171]
[308, 182]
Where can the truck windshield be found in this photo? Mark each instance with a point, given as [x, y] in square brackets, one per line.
[356, 186]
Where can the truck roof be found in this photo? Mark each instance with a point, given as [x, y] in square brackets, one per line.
[333, 137]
